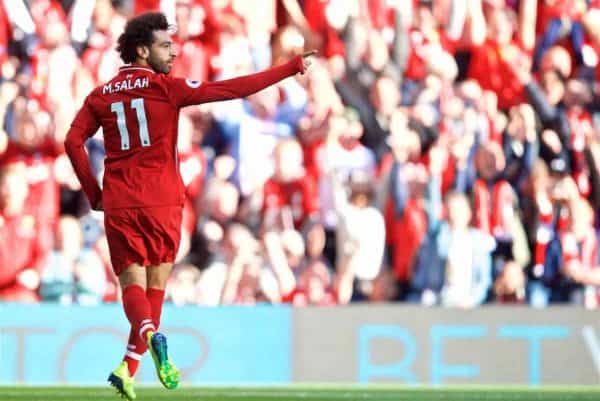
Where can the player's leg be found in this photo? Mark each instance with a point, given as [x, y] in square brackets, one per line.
[166, 370]
[135, 302]
[136, 348]
[138, 312]
[128, 256]
[156, 277]
[155, 292]
[161, 228]
[136, 345]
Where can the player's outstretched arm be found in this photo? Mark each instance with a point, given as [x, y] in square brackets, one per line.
[248, 84]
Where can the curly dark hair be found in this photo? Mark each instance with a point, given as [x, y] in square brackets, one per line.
[139, 32]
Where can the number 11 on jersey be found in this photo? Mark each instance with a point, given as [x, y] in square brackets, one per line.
[138, 106]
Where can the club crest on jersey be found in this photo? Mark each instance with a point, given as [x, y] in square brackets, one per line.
[192, 83]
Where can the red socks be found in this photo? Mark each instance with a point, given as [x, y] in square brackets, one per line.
[139, 305]
[135, 349]
[139, 312]
[156, 298]
[138, 309]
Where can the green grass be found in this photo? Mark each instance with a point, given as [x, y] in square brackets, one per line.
[307, 393]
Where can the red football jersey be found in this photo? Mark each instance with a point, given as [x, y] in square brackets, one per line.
[300, 195]
[138, 111]
[19, 247]
[43, 199]
[5, 33]
[490, 67]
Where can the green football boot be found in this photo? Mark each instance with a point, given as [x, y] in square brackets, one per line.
[120, 379]
[167, 372]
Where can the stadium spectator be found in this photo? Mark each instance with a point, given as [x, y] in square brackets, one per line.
[580, 247]
[491, 59]
[72, 273]
[21, 256]
[495, 208]
[466, 252]
[288, 191]
[406, 223]
[242, 284]
[560, 16]
[183, 285]
[342, 154]
[509, 286]
[360, 237]
[98, 56]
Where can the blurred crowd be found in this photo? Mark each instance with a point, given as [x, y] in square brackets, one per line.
[439, 152]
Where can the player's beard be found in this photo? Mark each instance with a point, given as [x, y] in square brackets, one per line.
[159, 65]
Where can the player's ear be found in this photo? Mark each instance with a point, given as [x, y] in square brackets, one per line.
[143, 52]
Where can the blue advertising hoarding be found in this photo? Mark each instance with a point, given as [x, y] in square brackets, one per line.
[46, 344]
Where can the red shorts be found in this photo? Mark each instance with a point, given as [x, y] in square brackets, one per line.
[145, 236]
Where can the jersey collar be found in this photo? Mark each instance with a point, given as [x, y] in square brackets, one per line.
[135, 67]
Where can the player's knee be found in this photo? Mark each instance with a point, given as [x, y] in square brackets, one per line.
[157, 276]
[133, 275]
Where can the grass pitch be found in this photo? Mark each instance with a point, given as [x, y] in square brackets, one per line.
[306, 393]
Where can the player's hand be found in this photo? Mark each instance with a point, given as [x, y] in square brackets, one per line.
[8, 92]
[438, 157]
[550, 138]
[520, 68]
[306, 61]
